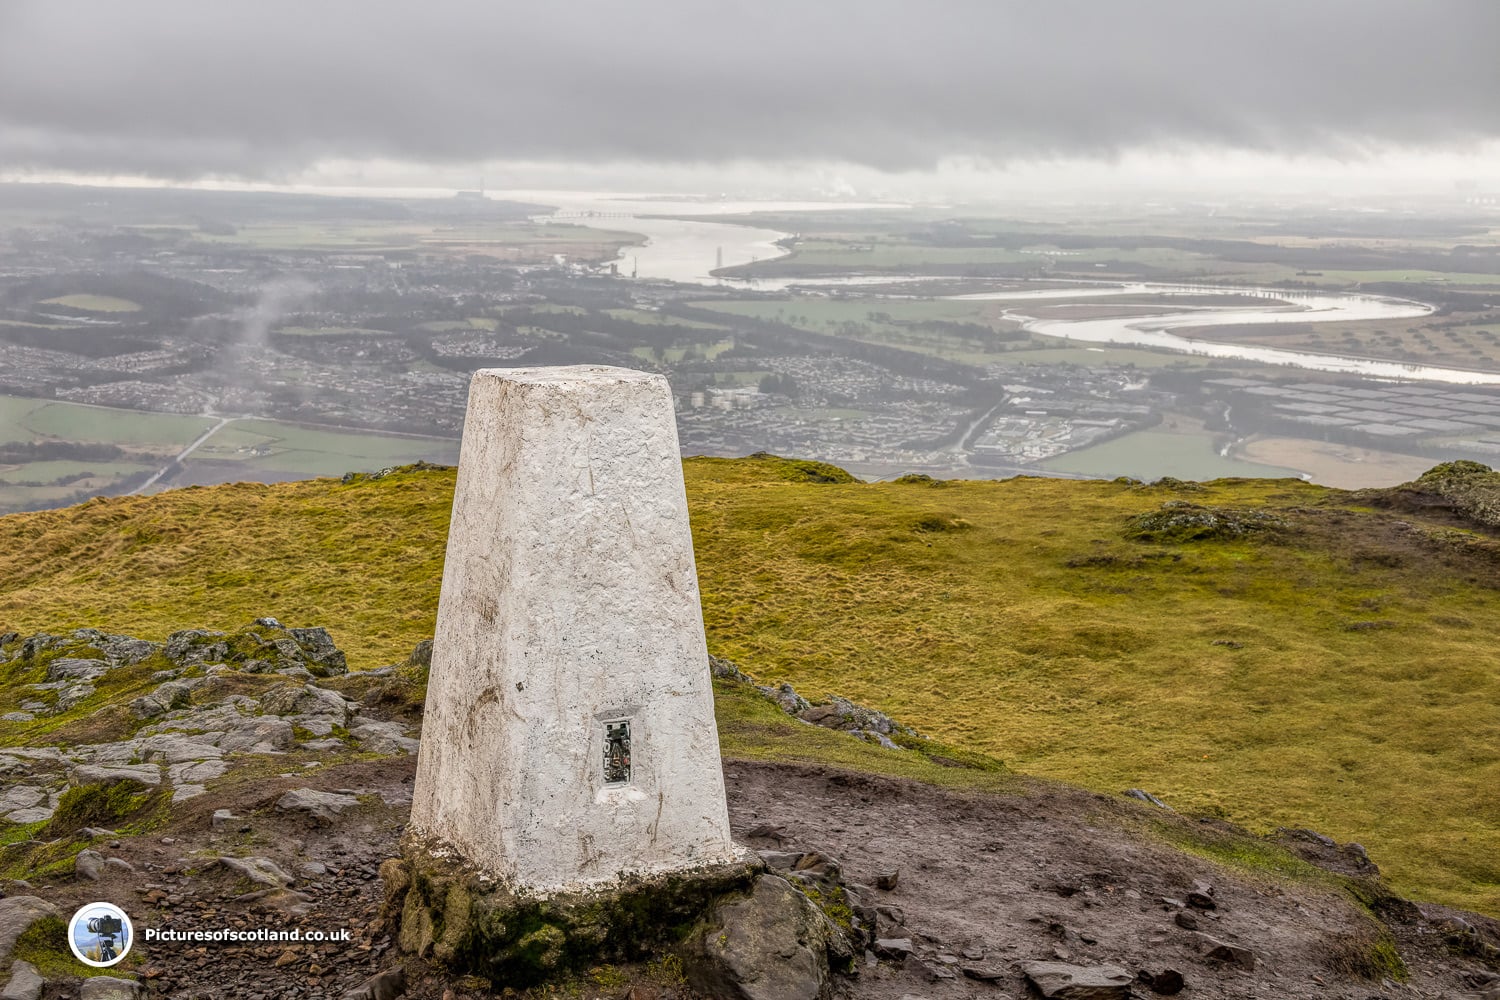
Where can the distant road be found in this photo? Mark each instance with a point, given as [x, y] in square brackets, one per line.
[182, 455]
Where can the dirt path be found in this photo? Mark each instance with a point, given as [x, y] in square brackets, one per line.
[984, 880]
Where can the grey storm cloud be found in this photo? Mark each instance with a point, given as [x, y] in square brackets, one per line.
[184, 88]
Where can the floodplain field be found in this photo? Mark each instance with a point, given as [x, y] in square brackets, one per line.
[1151, 454]
[268, 449]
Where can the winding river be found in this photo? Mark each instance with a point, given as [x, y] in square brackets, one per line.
[688, 251]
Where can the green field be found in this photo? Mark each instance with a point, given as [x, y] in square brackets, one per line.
[1337, 673]
[472, 323]
[23, 419]
[1153, 454]
[94, 303]
[304, 451]
[331, 331]
[46, 472]
[889, 322]
[651, 318]
[699, 351]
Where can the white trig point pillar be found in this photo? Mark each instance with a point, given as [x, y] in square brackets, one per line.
[569, 734]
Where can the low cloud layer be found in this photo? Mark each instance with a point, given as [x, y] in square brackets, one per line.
[185, 89]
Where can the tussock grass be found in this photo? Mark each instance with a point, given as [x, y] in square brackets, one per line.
[1232, 676]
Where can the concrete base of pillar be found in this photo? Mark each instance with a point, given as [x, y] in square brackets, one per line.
[455, 915]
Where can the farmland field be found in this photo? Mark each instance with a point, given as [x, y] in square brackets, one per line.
[271, 448]
[25, 419]
[1153, 454]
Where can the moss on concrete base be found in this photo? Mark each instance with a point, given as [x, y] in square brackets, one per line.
[449, 912]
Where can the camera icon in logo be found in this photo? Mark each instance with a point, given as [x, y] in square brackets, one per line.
[100, 935]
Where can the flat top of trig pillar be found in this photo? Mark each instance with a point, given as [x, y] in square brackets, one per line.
[569, 375]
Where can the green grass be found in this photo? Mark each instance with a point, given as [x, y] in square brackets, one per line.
[1031, 629]
[1153, 454]
[93, 303]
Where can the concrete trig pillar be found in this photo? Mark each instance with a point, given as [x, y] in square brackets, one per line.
[569, 734]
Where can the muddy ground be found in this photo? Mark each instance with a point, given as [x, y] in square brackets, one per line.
[985, 882]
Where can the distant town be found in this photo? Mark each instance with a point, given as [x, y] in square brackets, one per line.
[293, 336]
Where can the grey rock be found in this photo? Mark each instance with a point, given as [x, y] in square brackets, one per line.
[1230, 954]
[123, 651]
[52, 754]
[727, 669]
[306, 699]
[88, 774]
[1061, 981]
[67, 668]
[21, 797]
[267, 622]
[321, 806]
[1145, 796]
[261, 871]
[223, 819]
[1163, 982]
[173, 749]
[195, 645]
[1202, 896]
[318, 725]
[383, 737]
[787, 697]
[89, 864]
[17, 914]
[324, 746]
[774, 944]
[163, 699]
[196, 772]
[123, 752]
[895, 949]
[33, 815]
[421, 654]
[109, 988]
[262, 735]
[387, 985]
[182, 793]
[317, 645]
[119, 864]
[18, 716]
[780, 860]
[25, 982]
[984, 973]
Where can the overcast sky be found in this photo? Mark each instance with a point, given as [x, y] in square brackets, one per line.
[278, 90]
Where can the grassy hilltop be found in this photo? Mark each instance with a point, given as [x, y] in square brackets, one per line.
[1272, 652]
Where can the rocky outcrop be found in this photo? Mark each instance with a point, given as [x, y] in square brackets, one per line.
[772, 944]
[17, 914]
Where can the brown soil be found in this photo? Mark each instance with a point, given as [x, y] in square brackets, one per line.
[1048, 873]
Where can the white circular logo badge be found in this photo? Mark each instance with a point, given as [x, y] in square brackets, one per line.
[100, 935]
